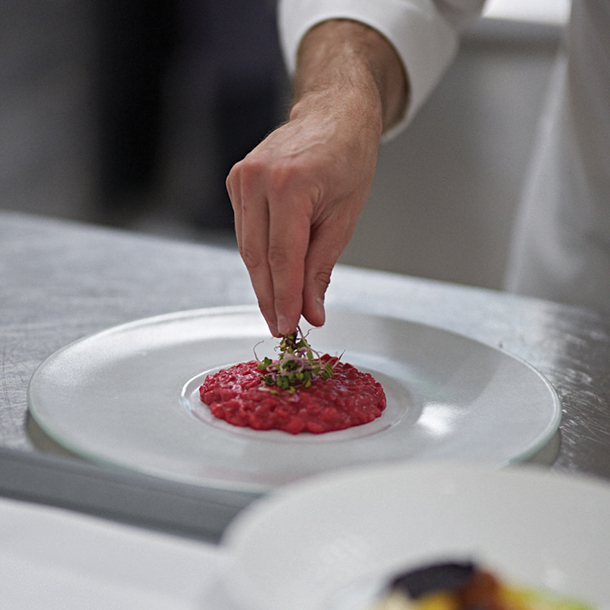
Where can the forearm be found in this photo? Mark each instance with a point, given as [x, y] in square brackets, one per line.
[347, 67]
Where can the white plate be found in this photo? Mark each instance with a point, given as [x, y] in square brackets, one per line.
[128, 396]
[332, 541]
[57, 559]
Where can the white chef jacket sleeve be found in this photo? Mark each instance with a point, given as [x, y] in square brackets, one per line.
[425, 34]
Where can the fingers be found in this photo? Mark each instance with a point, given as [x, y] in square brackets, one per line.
[272, 230]
[289, 229]
[326, 244]
[234, 191]
[252, 230]
[313, 296]
[296, 199]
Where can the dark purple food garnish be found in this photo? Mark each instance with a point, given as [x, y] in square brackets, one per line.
[433, 578]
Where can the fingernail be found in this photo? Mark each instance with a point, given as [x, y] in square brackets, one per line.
[320, 308]
[282, 326]
[272, 326]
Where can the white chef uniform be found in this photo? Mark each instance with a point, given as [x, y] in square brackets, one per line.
[561, 244]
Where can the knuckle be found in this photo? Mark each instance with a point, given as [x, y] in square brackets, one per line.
[322, 278]
[249, 172]
[279, 178]
[278, 258]
[252, 259]
[289, 176]
[232, 179]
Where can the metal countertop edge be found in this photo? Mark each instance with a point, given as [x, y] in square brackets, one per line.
[131, 498]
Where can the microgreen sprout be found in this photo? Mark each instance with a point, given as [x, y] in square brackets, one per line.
[298, 365]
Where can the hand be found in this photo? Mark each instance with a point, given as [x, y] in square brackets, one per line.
[298, 194]
[296, 198]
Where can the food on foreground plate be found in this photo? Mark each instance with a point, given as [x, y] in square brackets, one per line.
[465, 586]
[301, 391]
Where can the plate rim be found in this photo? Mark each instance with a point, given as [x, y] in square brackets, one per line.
[247, 521]
[249, 488]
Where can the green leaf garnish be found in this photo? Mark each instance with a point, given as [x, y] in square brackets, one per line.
[298, 365]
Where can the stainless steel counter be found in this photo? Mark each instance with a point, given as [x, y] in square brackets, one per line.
[60, 281]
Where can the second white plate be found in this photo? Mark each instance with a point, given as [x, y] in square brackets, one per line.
[331, 542]
[128, 397]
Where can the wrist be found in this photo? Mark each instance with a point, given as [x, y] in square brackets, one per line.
[350, 68]
[359, 109]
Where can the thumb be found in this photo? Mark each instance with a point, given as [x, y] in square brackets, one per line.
[324, 251]
[314, 291]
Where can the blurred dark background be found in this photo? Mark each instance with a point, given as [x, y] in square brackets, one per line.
[175, 66]
[128, 113]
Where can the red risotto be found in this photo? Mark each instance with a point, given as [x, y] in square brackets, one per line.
[348, 398]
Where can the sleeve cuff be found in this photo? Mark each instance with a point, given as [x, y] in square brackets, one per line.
[424, 40]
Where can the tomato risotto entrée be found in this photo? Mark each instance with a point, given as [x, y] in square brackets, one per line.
[302, 391]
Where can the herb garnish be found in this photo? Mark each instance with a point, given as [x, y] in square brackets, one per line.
[298, 365]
